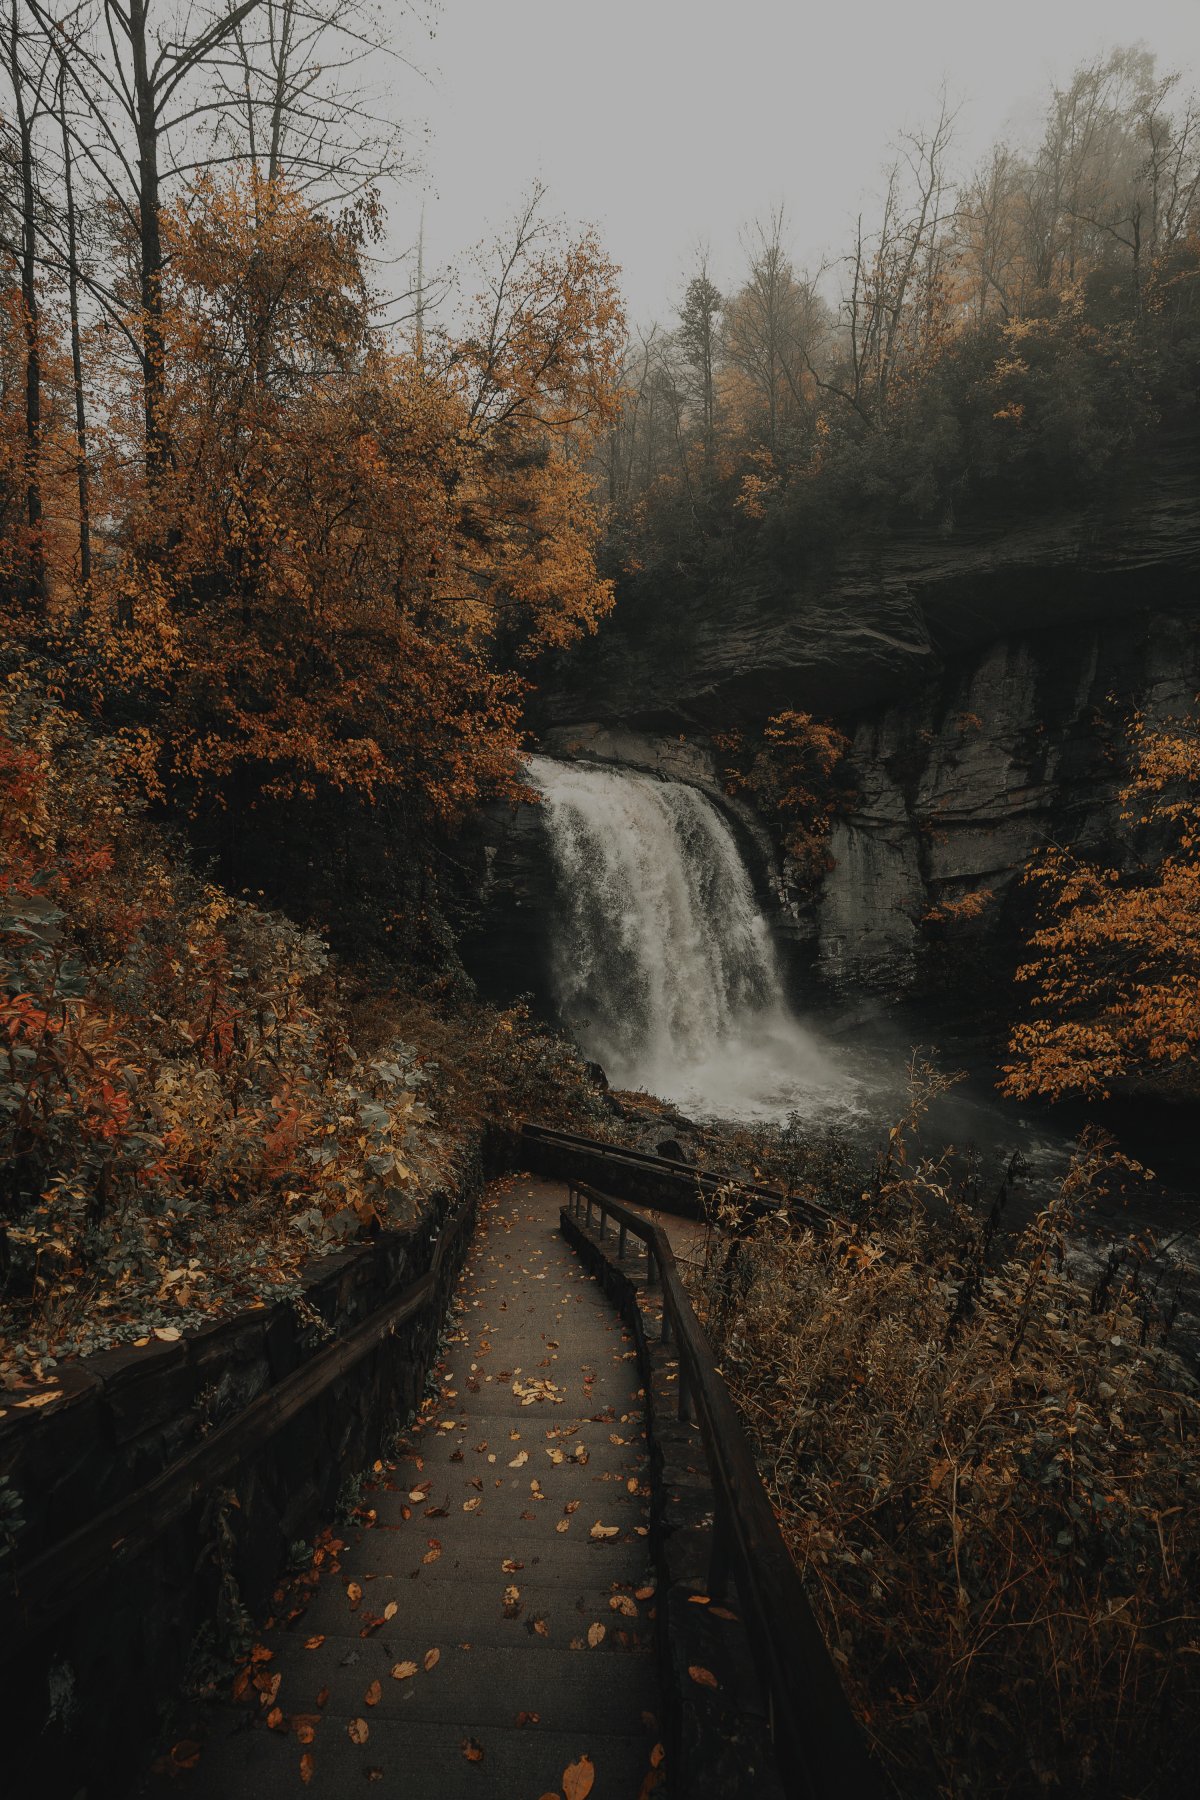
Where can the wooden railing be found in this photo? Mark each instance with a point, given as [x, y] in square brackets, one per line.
[820, 1746]
[37, 1593]
[693, 1184]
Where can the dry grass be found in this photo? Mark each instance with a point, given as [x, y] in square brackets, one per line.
[990, 1477]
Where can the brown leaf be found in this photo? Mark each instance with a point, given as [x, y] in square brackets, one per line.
[358, 1731]
[401, 1671]
[656, 1756]
[185, 1754]
[391, 1609]
[314, 1643]
[578, 1779]
[374, 1694]
[306, 1767]
[623, 1604]
[471, 1750]
[595, 1634]
[644, 1593]
[431, 1659]
[275, 1718]
[353, 1593]
[604, 1531]
[528, 1718]
[702, 1677]
[510, 1565]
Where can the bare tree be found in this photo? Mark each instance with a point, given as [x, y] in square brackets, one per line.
[28, 65]
[305, 101]
[135, 80]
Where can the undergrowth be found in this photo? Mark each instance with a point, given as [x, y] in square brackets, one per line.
[987, 1467]
[195, 1098]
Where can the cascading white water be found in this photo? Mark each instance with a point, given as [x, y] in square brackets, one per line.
[663, 964]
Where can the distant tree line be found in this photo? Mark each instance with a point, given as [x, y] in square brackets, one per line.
[1013, 329]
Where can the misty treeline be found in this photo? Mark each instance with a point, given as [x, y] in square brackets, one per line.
[294, 540]
[1015, 326]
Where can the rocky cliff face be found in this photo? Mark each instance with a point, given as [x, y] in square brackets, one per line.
[981, 675]
[1011, 747]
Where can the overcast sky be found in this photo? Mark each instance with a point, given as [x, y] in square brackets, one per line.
[667, 122]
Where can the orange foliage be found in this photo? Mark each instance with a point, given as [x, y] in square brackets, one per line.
[1116, 967]
[357, 540]
[795, 774]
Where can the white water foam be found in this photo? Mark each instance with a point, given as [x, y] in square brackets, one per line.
[663, 964]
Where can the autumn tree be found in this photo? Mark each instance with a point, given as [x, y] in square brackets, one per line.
[1114, 967]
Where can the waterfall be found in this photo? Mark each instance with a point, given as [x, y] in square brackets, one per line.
[662, 963]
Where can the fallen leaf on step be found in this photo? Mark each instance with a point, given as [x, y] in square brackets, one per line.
[314, 1643]
[431, 1659]
[358, 1731]
[578, 1779]
[623, 1604]
[595, 1635]
[306, 1767]
[374, 1694]
[702, 1677]
[401, 1671]
[603, 1531]
[471, 1750]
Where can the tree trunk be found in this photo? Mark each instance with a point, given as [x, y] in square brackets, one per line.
[81, 446]
[31, 325]
[150, 248]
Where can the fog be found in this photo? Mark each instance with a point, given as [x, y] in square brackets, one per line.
[670, 122]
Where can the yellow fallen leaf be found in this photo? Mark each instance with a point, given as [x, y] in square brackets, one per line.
[519, 1460]
[432, 1659]
[623, 1604]
[578, 1779]
[391, 1609]
[603, 1531]
[595, 1635]
[401, 1671]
